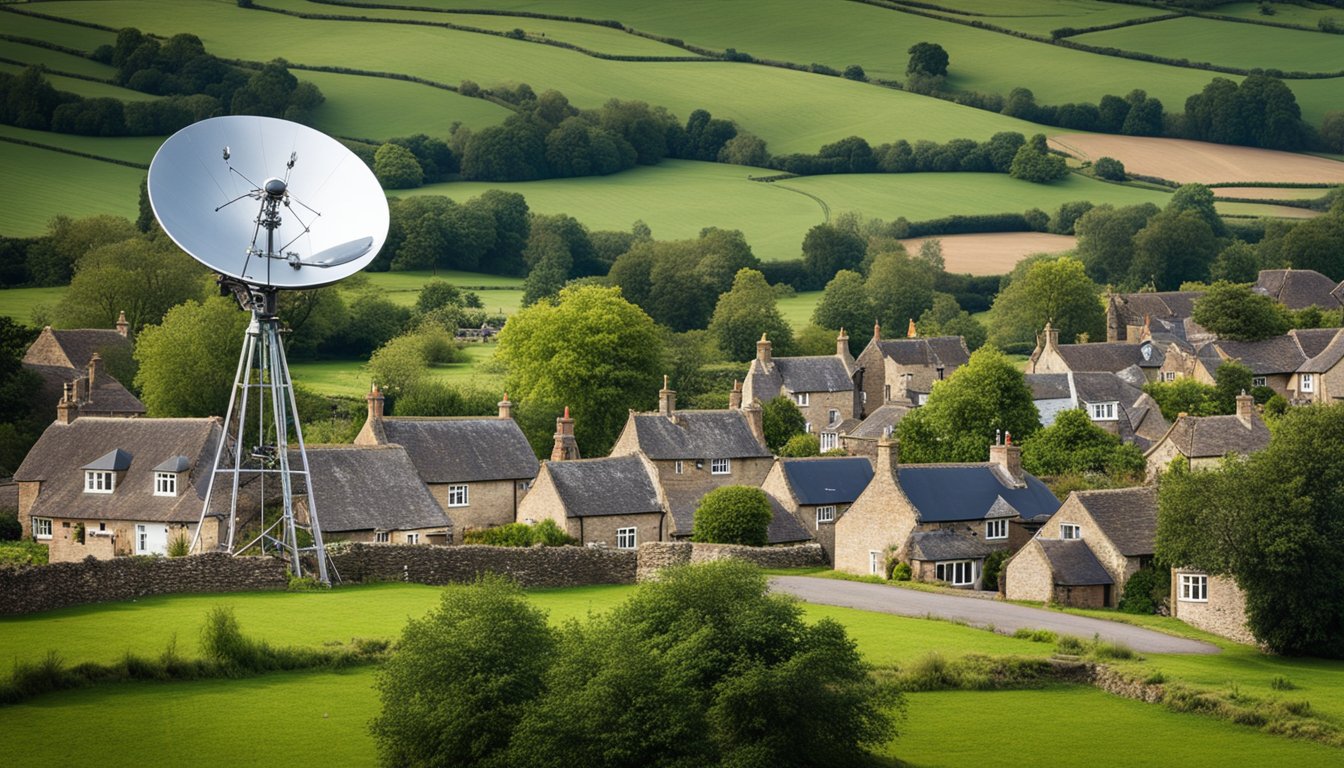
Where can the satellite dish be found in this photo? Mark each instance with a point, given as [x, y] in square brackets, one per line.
[268, 203]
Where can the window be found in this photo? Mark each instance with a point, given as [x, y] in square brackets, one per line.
[625, 538]
[98, 482]
[886, 393]
[457, 495]
[1102, 411]
[828, 440]
[996, 529]
[413, 538]
[1168, 375]
[1308, 382]
[1259, 381]
[922, 399]
[720, 467]
[803, 399]
[807, 427]
[42, 527]
[958, 573]
[165, 483]
[1070, 531]
[381, 537]
[141, 540]
[677, 467]
[832, 416]
[875, 562]
[1194, 587]
[826, 514]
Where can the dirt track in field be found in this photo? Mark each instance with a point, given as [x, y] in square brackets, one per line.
[993, 253]
[1185, 161]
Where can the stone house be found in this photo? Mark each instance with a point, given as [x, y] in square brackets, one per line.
[1321, 378]
[862, 439]
[1088, 550]
[942, 519]
[614, 501]
[477, 469]
[1300, 288]
[695, 452]
[821, 386]
[1114, 402]
[903, 370]
[1205, 440]
[1210, 602]
[1108, 357]
[372, 495]
[1166, 314]
[105, 487]
[816, 491]
[74, 359]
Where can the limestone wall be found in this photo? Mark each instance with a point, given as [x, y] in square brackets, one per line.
[1223, 614]
[655, 556]
[530, 566]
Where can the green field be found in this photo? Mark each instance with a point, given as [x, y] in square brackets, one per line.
[1228, 44]
[86, 88]
[19, 303]
[378, 108]
[349, 378]
[40, 183]
[135, 149]
[1306, 14]
[58, 61]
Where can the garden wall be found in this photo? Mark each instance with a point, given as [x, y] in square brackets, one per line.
[531, 566]
[655, 556]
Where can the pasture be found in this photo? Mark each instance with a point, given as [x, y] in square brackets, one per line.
[348, 377]
[20, 303]
[40, 184]
[1228, 44]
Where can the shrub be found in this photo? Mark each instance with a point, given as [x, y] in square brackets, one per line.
[855, 72]
[1036, 635]
[23, 553]
[1109, 168]
[546, 533]
[179, 546]
[993, 567]
[1146, 590]
[733, 514]
[10, 527]
[1281, 683]
[801, 445]
[901, 571]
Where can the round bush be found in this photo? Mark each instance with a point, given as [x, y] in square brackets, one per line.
[733, 514]
[1110, 168]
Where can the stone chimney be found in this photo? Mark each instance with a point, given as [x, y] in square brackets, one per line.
[81, 388]
[1051, 335]
[505, 407]
[755, 420]
[877, 331]
[1008, 457]
[1245, 408]
[123, 327]
[667, 400]
[763, 351]
[95, 370]
[888, 454]
[842, 349]
[375, 401]
[566, 448]
[67, 410]
[911, 332]
[735, 397]
[372, 431]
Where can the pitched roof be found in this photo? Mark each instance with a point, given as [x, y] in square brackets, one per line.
[1203, 437]
[950, 492]
[827, 479]
[875, 425]
[73, 348]
[1127, 516]
[682, 502]
[362, 488]
[115, 460]
[1104, 387]
[1049, 386]
[1163, 305]
[1073, 564]
[1112, 356]
[932, 546]
[784, 528]
[450, 450]
[63, 449]
[617, 485]
[1297, 288]
[1328, 357]
[722, 434]
[1277, 354]
[107, 397]
[814, 374]
[1314, 340]
[947, 351]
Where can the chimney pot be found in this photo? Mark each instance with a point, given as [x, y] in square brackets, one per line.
[888, 454]
[756, 421]
[123, 327]
[1008, 457]
[877, 331]
[95, 370]
[1245, 408]
[68, 409]
[763, 350]
[565, 448]
[667, 400]
[735, 397]
[375, 401]
[505, 407]
[1051, 335]
[911, 332]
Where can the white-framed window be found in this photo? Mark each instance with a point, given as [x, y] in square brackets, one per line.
[828, 441]
[1194, 588]
[1308, 382]
[1102, 411]
[1259, 381]
[165, 483]
[803, 399]
[626, 538]
[832, 416]
[1070, 531]
[807, 427]
[996, 529]
[826, 514]
[958, 573]
[96, 481]
[382, 537]
[457, 495]
[413, 538]
[1168, 375]
[720, 466]
[42, 527]
[875, 562]
[141, 540]
[922, 399]
[678, 467]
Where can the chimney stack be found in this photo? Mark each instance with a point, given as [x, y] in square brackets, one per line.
[123, 327]
[1008, 457]
[1245, 408]
[888, 454]
[735, 397]
[67, 410]
[911, 332]
[763, 351]
[842, 349]
[667, 400]
[756, 420]
[375, 401]
[1051, 335]
[506, 408]
[877, 331]
[566, 448]
[95, 370]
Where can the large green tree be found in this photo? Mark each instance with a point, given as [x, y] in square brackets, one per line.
[845, 304]
[143, 276]
[396, 167]
[827, 249]
[745, 314]
[781, 420]
[1106, 240]
[733, 514]
[1047, 290]
[927, 59]
[1274, 522]
[1073, 444]
[590, 350]
[1233, 311]
[52, 258]
[188, 361]
[987, 395]
[1175, 247]
[900, 288]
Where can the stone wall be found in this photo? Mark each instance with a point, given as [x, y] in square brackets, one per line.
[44, 587]
[656, 556]
[531, 566]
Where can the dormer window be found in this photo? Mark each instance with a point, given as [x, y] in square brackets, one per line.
[100, 475]
[1103, 411]
[165, 484]
[96, 481]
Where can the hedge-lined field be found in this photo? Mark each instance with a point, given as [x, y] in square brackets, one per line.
[40, 183]
[378, 108]
[1228, 44]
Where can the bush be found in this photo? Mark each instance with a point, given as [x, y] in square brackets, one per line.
[1109, 168]
[901, 571]
[23, 553]
[179, 546]
[1146, 591]
[545, 533]
[733, 514]
[10, 527]
[801, 445]
[993, 567]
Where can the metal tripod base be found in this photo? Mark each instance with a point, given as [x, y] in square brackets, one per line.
[254, 453]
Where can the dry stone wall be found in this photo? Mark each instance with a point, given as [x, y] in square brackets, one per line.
[655, 556]
[530, 566]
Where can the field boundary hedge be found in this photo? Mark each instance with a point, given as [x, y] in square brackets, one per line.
[76, 153]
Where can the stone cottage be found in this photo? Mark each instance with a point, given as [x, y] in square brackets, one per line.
[1300, 288]
[372, 495]
[816, 491]
[1210, 602]
[1131, 317]
[1111, 356]
[1205, 440]
[74, 359]
[821, 386]
[903, 370]
[614, 501]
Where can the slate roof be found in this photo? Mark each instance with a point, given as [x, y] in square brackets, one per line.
[1073, 564]
[1297, 288]
[827, 479]
[1112, 356]
[63, 449]
[814, 374]
[115, 460]
[875, 425]
[1313, 341]
[933, 351]
[1134, 307]
[1126, 516]
[107, 397]
[1275, 355]
[1049, 386]
[618, 485]
[716, 434]
[784, 528]
[1328, 357]
[363, 488]
[1101, 387]
[458, 450]
[1202, 437]
[932, 546]
[951, 492]
[73, 348]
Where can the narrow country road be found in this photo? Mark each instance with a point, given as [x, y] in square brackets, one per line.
[1005, 617]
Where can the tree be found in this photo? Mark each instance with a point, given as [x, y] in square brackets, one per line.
[855, 72]
[397, 168]
[1235, 312]
[986, 395]
[461, 677]
[52, 259]
[802, 445]
[21, 422]
[845, 304]
[828, 250]
[900, 288]
[1047, 290]
[1332, 130]
[745, 149]
[1184, 395]
[590, 350]
[513, 225]
[1068, 215]
[188, 361]
[947, 318]
[781, 420]
[144, 277]
[435, 294]
[1313, 244]
[1237, 263]
[747, 313]
[1175, 247]
[1109, 168]
[1033, 162]
[1230, 380]
[1274, 522]
[927, 59]
[1074, 445]
[733, 514]
[549, 255]
[1106, 240]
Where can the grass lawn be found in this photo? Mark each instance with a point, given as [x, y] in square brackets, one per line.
[348, 377]
[798, 308]
[40, 183]
[1227, 43]
[19, 303]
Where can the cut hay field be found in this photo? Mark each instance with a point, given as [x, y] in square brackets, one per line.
[1257, 210]
[1250, 46]
[1272, 193]
[1185, 161]
[993, 253]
